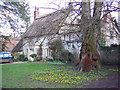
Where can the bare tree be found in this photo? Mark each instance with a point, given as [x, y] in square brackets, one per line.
[88, 28]
[89, 54]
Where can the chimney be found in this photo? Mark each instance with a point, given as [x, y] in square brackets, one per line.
[36, 13]
[70, 4]
[107, 18]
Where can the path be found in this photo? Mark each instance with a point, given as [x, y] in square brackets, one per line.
[111, 81]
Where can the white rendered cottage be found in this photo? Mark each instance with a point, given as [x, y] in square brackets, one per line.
[48, 28]
[52, 26]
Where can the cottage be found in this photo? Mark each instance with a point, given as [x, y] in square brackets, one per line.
[48, 28]
[110, 30]
[52, 26]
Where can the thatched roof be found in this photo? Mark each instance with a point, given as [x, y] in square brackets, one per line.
[47, 25]
[18, 47]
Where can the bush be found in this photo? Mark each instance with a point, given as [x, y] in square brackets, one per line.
[55, 44]
[76, 55]
[48, 58]
[59, 53]
[16, 60]
[65, 56]
[33, 55]
[21, 57]
[57, 63]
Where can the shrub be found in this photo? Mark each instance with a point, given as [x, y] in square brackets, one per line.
[21, 57]
[16, 60]
[65, 56]
[33, 55]
[49, 58]
[76, 56]
[59, 53]
[55, 45]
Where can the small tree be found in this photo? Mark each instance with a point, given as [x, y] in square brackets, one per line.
[33, 56]
[65, 56]
[58, 51]
[55, 46]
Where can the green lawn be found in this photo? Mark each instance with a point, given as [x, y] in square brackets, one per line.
[0, 76]
[28, 75]
[17, 75]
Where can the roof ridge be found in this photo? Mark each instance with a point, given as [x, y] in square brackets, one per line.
[62, 10]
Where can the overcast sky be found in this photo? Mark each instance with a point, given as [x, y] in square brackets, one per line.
[57, 4]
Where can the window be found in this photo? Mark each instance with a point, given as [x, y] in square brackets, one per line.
[38, 51]
[69, 37]
[73, 36]
[64, 37]
[27, 50]
[111, 35]
[47, 52]
[32, 50]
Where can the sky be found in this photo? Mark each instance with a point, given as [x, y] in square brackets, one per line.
[57, 4]
[39, 3]
[42, 4]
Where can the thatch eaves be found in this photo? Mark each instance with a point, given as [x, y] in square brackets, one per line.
[18, 47]
[46, 25]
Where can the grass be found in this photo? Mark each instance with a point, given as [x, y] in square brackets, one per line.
[56, 63]
[63, 75]
[16, 75]
[27, 75]
[0, 76]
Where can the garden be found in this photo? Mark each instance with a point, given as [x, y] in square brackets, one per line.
[48, 75]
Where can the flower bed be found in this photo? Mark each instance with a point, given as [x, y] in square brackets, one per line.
[67, 76]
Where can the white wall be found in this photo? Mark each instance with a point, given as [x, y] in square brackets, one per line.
[69, 46]
[28, 47]
[107, 29]
[31, 47]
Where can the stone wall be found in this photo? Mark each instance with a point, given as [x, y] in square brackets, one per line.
[110, 55]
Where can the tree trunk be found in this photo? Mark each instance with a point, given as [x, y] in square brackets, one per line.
[40, 53]
[54, 54]
[89, 56]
